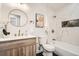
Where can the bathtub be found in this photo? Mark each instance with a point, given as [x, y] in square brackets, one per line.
[66, 49]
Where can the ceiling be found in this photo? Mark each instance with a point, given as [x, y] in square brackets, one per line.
[53, 6]
[57, 6]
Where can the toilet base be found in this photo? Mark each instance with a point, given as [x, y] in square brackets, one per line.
[46, 53]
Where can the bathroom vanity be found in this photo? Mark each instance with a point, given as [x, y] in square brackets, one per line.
[18, 46]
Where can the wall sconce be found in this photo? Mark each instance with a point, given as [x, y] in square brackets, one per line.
[5, 30]
[54, 16]
[31, 21]
[52, 31]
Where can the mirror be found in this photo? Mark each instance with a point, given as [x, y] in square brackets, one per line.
[18, 18]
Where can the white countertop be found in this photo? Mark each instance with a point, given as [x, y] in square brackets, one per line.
[16, 38]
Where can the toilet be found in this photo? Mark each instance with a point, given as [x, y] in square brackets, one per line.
[48, 49]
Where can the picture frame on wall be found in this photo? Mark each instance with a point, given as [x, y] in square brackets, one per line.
[71, 23]
[39, 21]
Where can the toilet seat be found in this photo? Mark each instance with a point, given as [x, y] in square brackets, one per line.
[49, 47]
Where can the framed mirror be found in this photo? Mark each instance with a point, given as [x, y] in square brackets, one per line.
[18, 18]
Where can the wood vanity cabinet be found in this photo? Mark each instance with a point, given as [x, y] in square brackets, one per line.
[22, 47]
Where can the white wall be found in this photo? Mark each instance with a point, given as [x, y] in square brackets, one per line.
[68, 34]
[0, 11]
